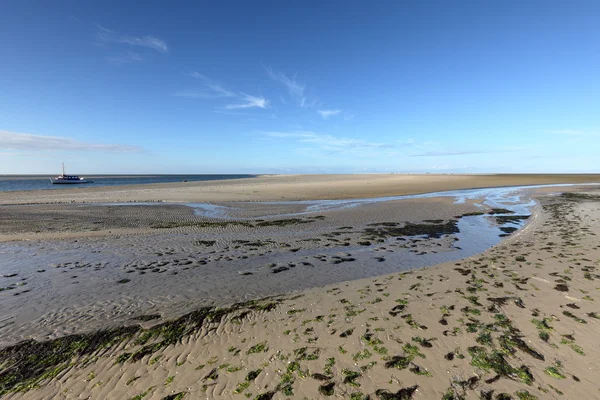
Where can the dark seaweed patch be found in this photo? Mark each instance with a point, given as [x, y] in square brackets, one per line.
[496, 362]
[409, 229]
[320, 377]
[561, 287]
[514, 219]
[148, 317]
[284, 222]
[204, 242]
[27, 364]
[327, 389]
[398, 362]
[500, 211]
[580, 196]
[508, 341]
[402, 394]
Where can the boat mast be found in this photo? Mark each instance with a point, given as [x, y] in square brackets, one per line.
[63, 165]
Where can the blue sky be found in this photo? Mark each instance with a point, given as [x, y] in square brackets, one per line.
[299, 86]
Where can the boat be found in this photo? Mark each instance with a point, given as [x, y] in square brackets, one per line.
[68, 179]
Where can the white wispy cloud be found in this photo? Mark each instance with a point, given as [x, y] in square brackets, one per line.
[213, 90]
[295, 89]
[28, 141]
[109, 36]
[249, 102]
[329, 142]
[297, 92]
[328, 113]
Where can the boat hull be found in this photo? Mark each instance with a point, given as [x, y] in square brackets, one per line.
[68, 181]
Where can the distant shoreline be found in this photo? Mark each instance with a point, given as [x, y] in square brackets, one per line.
[124, 175]
[10, 183]
[287, 188]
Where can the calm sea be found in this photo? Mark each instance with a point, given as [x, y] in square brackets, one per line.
[10, 183]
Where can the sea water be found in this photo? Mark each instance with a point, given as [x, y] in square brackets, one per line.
[9, 183]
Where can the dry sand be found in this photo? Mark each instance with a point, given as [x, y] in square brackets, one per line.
[519, 320]
[290, 187]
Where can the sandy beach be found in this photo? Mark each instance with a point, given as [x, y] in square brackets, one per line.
[156, 298]
[291, 187]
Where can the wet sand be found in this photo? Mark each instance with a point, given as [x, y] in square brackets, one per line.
[374, 336]
[173, 261]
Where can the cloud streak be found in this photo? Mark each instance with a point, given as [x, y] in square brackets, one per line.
[213, 90]
[295, 89]
[150, 42]
[328, 113]
[329, 142]
[27, 141]
[249, 102]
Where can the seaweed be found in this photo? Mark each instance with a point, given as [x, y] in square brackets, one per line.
[265, 396]
[410, 229]
[252, 375]
[347, 333]
[471, 214]
[576, 318]
[28, 363]
[525, 395]
[350, 377]
[496, 362]
[561, 287]
[327, 389]
[494, 211]
[470, 383]
[204, 242]
[320, 377]
[398, 362]
[402, 394]
[284, 222]
[417, 370]
[508, 341]
[554, 372]
[452, 395]
[580, 196]
[147, 317]
[258, 348]
[504, 219]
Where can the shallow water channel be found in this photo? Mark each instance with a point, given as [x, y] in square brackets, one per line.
[51, 288]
